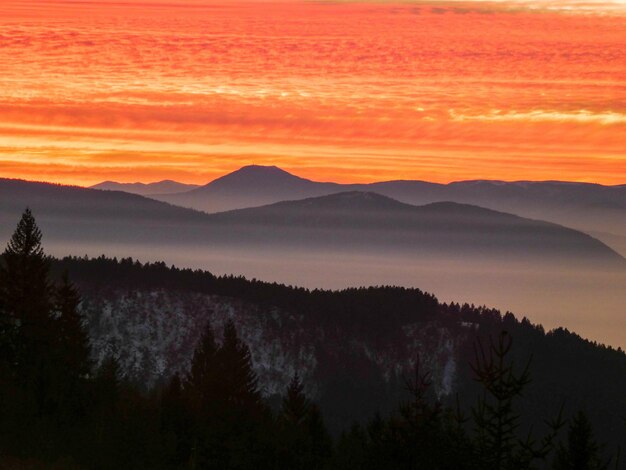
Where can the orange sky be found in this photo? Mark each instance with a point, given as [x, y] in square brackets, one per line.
[148, 90]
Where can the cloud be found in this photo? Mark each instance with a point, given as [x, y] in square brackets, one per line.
[373, 89]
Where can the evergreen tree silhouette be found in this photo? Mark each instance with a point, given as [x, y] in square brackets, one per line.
[203, 379]
[105, 421]
[581, 451]
[26, 297]
[74, 342]
[176, 424]
[497, 422]
[239, 382]
[296, 406]
[304, 442]
[242, 418]
[202, 398]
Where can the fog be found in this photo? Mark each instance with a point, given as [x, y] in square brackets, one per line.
[590, 302]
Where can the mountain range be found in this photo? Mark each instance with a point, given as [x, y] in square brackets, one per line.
[354, 349]
[143, 189]
[555, 275]
[347, 221]
[595, 209]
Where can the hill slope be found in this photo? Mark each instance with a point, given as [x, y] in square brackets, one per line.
[369, 221]
[347, 221]
[352, 347]
[250, 186]
[146, 189]
[554, 275]
[588, 207]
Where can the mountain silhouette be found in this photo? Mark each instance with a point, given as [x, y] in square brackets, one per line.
[250, 186]
[146, 189]
[593, 208]
[350, 221]
[550, 273]
[369, 221]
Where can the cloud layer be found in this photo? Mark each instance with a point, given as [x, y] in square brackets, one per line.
[343, 91]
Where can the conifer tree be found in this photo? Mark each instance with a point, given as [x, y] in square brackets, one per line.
[229, 427]
[105, 422]
[296, 406]
[203, 377]
[74, 342]
[24, 274]
[305, 440]
[498, 446]
[239, 381]
[26, 297]
[201, 396]
[495, 417]
[581, 452]
[176, 424]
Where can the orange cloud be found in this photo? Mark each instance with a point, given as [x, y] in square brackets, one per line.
[334, 91]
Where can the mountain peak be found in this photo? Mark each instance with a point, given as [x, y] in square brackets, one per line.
[349, 200]
[262, 169]
[258, 173]
[260, 181]
[145, 189]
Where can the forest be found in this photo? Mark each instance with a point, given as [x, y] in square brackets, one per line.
[58, 410]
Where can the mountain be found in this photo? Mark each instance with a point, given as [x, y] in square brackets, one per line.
[357, 220]
[350, 221]
[353, 348]
[250, 186]
[553, 274]
[149, 189]
[583, 206]
[589, 207]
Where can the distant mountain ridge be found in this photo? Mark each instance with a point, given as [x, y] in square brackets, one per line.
[250, 186]
[347, 221]
[347, 239]
[146, 189]
[367, 220]
[583, 206]
[356, 342]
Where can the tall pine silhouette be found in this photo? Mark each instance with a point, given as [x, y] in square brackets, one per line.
[305, 443]
[26, 296]
[239, 382]
[48, 352]
[581, 452]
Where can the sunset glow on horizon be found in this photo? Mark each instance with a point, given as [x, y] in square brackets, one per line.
[338, 91]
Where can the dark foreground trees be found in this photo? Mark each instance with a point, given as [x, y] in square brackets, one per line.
[58, 411]
[45, 360]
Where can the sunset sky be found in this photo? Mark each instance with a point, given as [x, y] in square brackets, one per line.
[343, 91]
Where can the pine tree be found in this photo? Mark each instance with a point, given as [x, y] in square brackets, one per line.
[176, 424]
[201, 398]
[496, 420]
[26, 295]
[24, 274]
[498, 446]
[305, 443]
[104, 410]
[239, 381]
[582, 452]
[296, 406]
[203, 377]
[26, 298]
[70, 355]
[226, 404]
[74, 342]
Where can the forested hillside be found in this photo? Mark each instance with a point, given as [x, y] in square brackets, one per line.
[129, 365]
